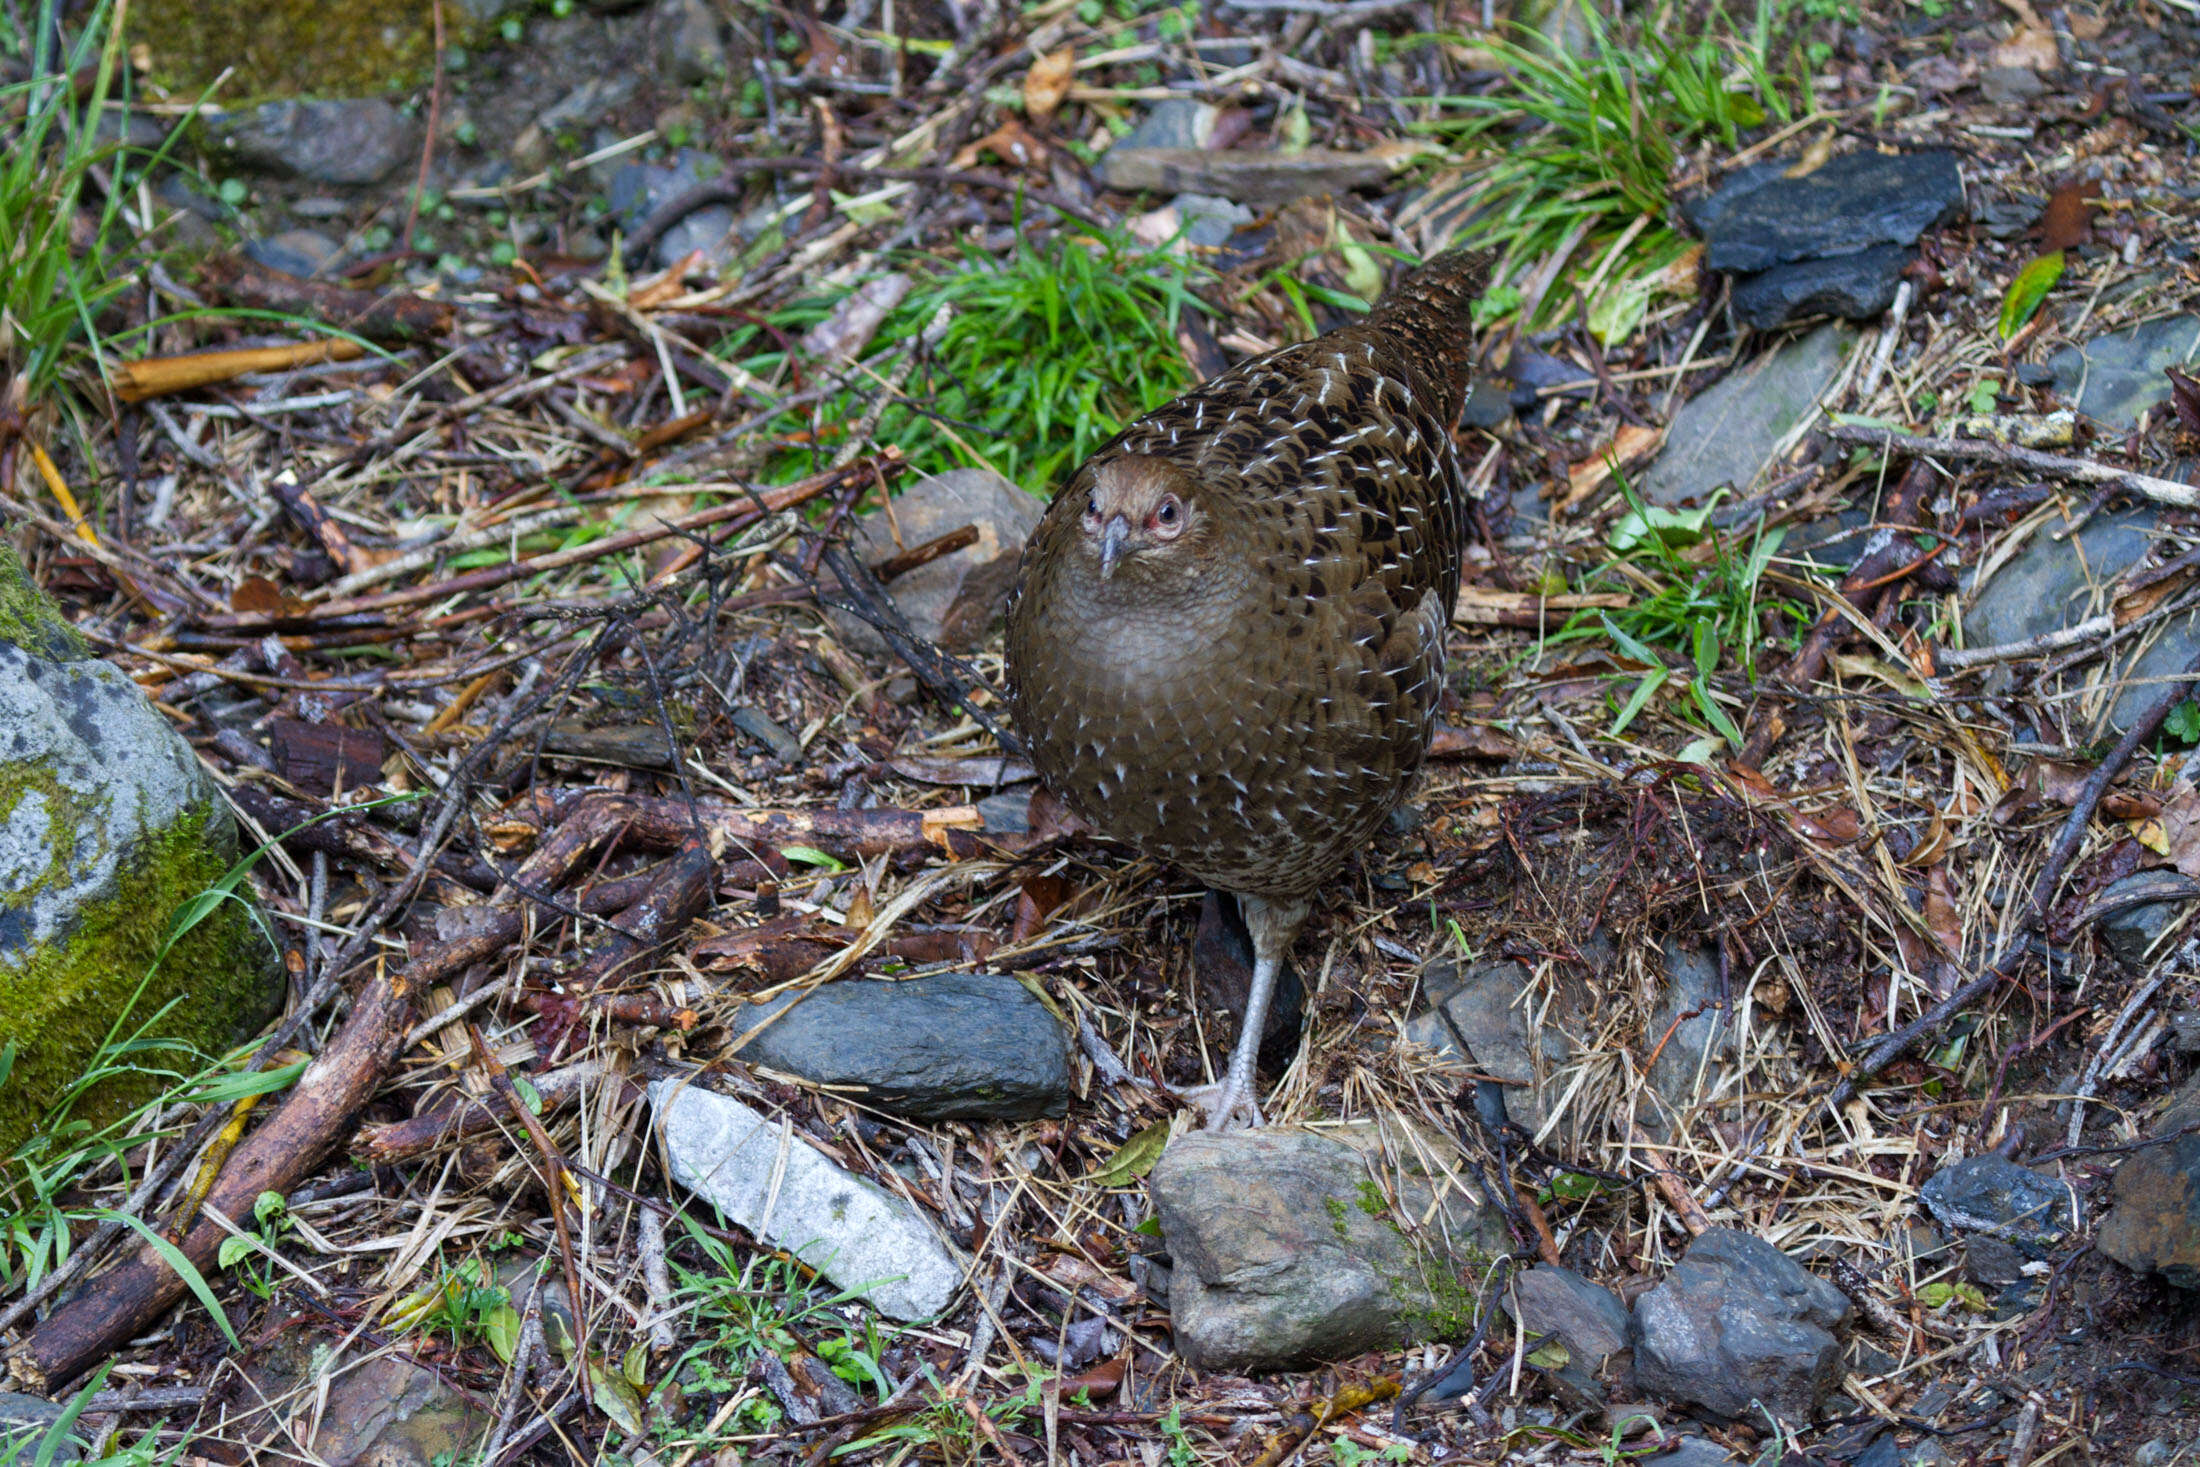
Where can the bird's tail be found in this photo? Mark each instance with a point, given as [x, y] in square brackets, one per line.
[1432, 307]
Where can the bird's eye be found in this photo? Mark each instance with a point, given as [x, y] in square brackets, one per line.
[1168, 512]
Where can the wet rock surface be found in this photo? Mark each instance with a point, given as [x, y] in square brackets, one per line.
[1995, 1196]
[2137, 909]
[1695, 1030]
[638, 190]
[350, 142]
[25, 1422]
[953, 1046]
[771, 1181]
[2153, 1224]
[1293, 1246]
[956, 600]
[2115, 377]
[1725, 434]
[1738, 1323]
[1855, 287]
[1476, 1015]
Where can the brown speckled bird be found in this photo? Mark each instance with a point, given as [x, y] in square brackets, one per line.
[1226, 641]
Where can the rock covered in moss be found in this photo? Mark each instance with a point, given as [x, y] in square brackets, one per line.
[108, 826]
[1291, 1246]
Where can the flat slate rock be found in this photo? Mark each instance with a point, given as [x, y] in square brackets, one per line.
[1587, 1319]
[1476, 1016]
[347, 141]
[1854, 287]
[769, 1180]
[1760, 218]
[948, 1047]
[2116, 377]
[1725, 433]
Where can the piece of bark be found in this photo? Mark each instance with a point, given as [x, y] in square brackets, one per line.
[321, 758]
[160, 376]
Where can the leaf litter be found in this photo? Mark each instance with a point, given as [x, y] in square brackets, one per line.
[555, 554]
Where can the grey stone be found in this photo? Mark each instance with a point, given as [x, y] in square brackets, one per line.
[350, 141]
[1691, 1048]
[1293, 1246]
[2131, 926]
[1689, 1451]
[1738, 1323]
[1587, 1319]
[25, 1422]
[2114, 378]
[313, 1400]
[1993, 1195]
[951, 1046]
[1263, 180]
[691, 46]
[2052, 583]
[1179, 122]
[299, 252]
[2011, 86]
[2153, 1224]
[1760, 218]
[1854, 287]
[1725, 434]
[1008, 812]
[957, 599]
[778, 1186]
[1477, 1016]
[1208, 221]
[2157, 1451]
[108, 825]
[638, 190]
[1489, 405]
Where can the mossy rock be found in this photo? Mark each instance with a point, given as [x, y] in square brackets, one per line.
[299, 47]
[108, 827]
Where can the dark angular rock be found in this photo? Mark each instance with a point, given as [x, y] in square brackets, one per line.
[1293, 1247]
[952, 1046]
[1995, 1196]
[1585, 1318]
[1854, 287]
[1478, 1019]
[1689, 1451]
[2137, 909]
[1739, 1323]
[299, 252]
[1759, 218]
[2153, 1225]
[370, 1409]
[352, 141]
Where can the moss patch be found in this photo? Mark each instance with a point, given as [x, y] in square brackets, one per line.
[291, 47]
[29, 620]
[218, 984]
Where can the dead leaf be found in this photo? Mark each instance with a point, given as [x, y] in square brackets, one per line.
[2067, 221]
[1096, 1381]
[2032, 47]
[259, 596]
[2184, 396]
[1009, 142]
[1474, 741]
[1629, 446]
[1047, 83]
[2062, 783]
[1072, 1272]
[1940, 911]
[1812, 159]
[2180, 829]
[2131, 805]
[1836, 825]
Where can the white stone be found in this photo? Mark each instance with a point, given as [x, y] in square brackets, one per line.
[767, 1179]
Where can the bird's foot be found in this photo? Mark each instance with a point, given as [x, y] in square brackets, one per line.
[1227, 1107]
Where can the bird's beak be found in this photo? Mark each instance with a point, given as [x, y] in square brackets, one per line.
[1113, 535]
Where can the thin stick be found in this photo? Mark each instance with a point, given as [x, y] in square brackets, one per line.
[1988, 450]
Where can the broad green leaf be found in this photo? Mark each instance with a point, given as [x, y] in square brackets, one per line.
[1674, 527]
[1134, 1158]
[501, 1328]
[2026, 292]
[616, 1399]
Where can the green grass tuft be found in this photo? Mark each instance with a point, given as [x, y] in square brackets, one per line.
[1048, 353]
[1591, 175]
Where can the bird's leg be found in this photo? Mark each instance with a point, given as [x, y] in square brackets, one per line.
[1273, 923]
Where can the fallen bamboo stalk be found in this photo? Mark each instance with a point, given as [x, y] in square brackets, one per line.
[162, 376]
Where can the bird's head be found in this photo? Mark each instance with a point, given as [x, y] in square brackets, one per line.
[1140, 512]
